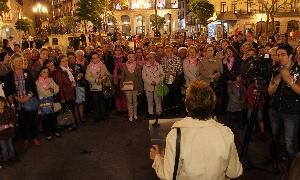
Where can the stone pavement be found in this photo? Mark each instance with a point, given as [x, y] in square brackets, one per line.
[112, 150]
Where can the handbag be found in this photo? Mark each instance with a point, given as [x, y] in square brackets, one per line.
[178, 138]
[65, 117]
[46, 105]
[127, 86]
[32, 104]
[80, 94]
[162, 90]
[108, 89]
[56, 106]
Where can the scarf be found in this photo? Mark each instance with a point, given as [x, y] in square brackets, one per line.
[80, 62]
[95, 67]
[68, 70]
[131, 66]
[193, 61]
[153, 67]
[44, 82]
[230, 63]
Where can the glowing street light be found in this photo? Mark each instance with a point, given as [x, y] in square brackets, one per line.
[39, 8]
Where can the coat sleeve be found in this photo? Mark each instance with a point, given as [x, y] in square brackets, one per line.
[187, 72]
[58, 77]
[164, 166]
[234, 168]
[54, 86]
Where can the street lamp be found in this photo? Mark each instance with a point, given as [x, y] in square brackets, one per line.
[39, 9]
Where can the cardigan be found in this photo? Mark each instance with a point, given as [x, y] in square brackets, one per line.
[136, 77]
[10, 87]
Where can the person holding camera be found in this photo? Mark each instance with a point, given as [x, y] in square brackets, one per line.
[285, 89]
[207, 149]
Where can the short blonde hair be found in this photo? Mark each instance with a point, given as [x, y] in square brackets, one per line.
[14, 57]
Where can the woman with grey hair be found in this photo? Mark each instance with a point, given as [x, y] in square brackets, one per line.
[207, 149]
[152, 75]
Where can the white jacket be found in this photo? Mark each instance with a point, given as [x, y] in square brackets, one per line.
[148, 74]
[207, 152]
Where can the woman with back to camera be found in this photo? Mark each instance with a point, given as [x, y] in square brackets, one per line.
[207, 149]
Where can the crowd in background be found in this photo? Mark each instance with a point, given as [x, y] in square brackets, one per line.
[111, 76]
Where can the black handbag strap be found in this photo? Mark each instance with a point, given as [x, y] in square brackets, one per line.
[177, 153]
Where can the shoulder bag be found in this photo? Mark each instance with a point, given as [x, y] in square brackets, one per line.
[46, 105]
[177, 153]
[31, 105]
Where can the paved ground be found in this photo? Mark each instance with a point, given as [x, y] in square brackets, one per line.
[112, 150]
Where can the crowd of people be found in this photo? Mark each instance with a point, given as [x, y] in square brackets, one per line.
[111, 75]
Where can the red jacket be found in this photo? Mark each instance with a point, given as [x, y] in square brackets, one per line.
[250, 98]
[67, 91]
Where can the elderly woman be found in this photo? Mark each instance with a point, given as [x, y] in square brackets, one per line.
[191, 66]
[36, 66]
[207, 149]
[132, 73]
[20, 88]
[79, 70]
[152, 75]
[210, 67]
[64, 78]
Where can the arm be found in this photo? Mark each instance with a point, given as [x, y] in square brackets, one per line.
[161, 74]
[164, 166]
[146, 78]
[274, 84]
[187, 72]
[54, 86]
[234, 168]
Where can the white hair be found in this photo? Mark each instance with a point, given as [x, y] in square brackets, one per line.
[79, 52]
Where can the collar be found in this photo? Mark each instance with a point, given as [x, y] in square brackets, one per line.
[189, 122]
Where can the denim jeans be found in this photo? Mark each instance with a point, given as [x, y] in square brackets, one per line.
[291, 127]
[7, 149]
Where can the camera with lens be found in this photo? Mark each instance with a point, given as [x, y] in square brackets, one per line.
[260, 70]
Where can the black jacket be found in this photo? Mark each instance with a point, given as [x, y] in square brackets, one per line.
[10, 86]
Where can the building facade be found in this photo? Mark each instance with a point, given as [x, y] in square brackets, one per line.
[232, 16]
[130, 19]
[7, 24]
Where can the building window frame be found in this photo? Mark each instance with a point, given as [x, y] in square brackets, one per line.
[223, 7]
[249, 6]
[234, 7]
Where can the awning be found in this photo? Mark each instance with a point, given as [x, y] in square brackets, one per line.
[227, 16]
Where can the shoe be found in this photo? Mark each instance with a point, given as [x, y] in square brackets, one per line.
[57, 134]
[135, 117]
[37, 142]
[49, 138]
[131, 119]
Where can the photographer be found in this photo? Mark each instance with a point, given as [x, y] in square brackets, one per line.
[285, 89]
